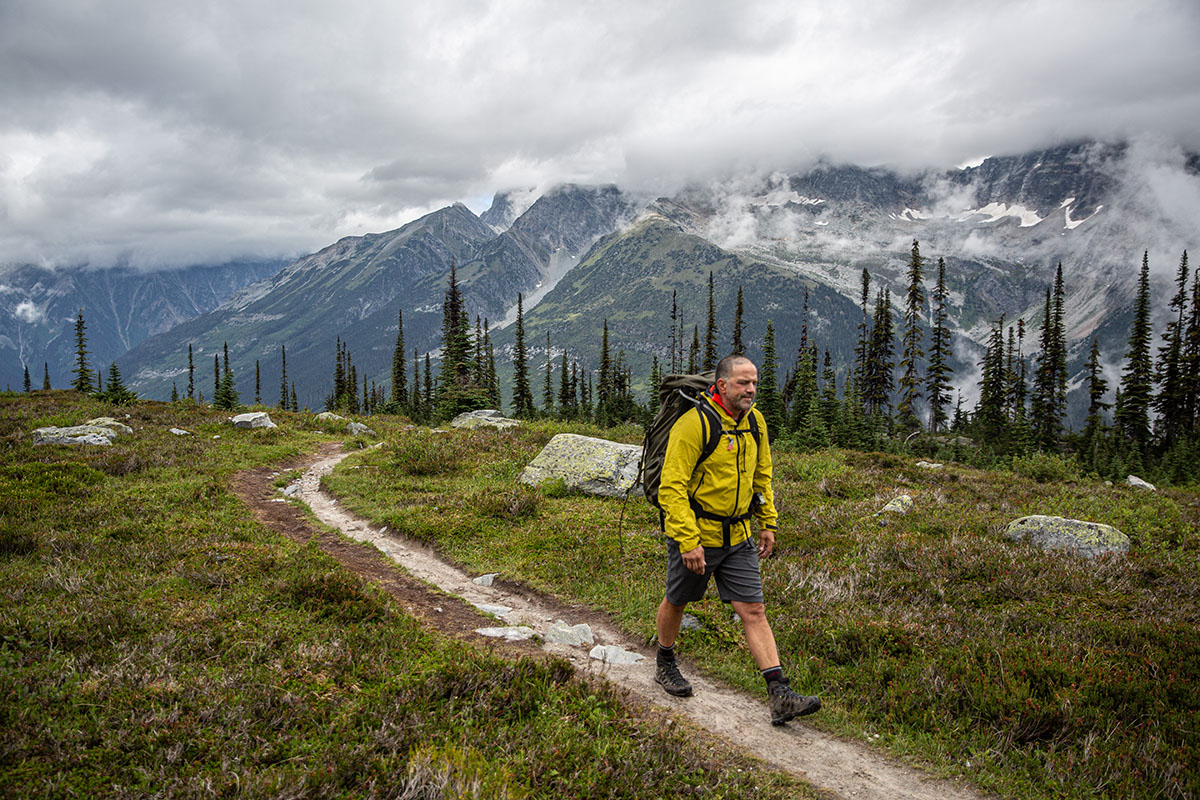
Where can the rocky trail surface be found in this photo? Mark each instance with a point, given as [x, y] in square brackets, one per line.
[527, 621]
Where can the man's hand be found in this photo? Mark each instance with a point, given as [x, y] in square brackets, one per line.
[766, 542]
[694, 559]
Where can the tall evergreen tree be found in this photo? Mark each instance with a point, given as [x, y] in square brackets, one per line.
[293, 403]
[738, 346]
[46, 375]
[399, 367]
[1190, 363]
[416, 410]
[879, 366]
[676, 334]
[710, 330]
[769, 401]
[83, 373]
[1171, 401]
[548, 386]
[27, 384]
[257, 384]
[116, 393]
[218, 401]
[694, 351]
[864, 331]
[604, 381]
[937, 374]
[1133, 412]
[284, 403]
[430, 390]
[457, 391]
[1048, 404]
[191, 390]
[522, 402]
[1097, 388]
[912, 339]
[566, 392]
[990, 418]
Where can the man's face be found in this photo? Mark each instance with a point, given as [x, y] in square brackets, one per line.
[737, 391]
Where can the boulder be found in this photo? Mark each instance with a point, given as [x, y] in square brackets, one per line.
[929, 465]
[613, 654]
[899, 505]
[1087, 539]
[1138, 483]
[76, 434]
[358, 429]
[594, 466]
[329, 416]
[109, 422]
[180, 432]
[486, 418]
[254, 419]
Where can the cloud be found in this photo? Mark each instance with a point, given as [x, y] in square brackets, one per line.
[28, 312]
[158, 133]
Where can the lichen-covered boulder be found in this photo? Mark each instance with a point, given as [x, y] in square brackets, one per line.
[898, 505]
[329, 416]
[109, 422]
[254, 419]
[75, 434]
[1087, 539]
[1138, 483]
[358, 429]
[593, 466]
[486, 418]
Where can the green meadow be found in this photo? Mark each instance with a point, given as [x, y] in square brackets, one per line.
[157, 640]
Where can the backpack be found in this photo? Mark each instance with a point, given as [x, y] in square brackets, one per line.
[678, 395]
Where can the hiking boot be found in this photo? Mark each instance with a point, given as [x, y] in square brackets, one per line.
[787, 705]
[667, 675]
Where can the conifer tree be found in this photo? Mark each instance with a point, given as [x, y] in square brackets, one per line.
[548, 387]
[1097, 388]
[804, 393]
[257, 384]
[881, 348]
[399, 367]
[116, 393]
[710, 330]
[430, 394]
[566, 393]
[228, 387]
[493, 383]
[990, 418]
[829, 398]
[1048, 404]
[864, 330]
[83, 373]
[738, 347]
[295, 405]
[676, 334]
[655, 382]
[46, 375]
[457, 391]
[1171, 400]
[522, 402]
[694, 351]
[769, 401]
[174, 393]
[191, 390]
[284, 403]
[937, 374]
[1133, 413]
[217, 399]
[1190, 364]
[416, 411]
[28, 384]
[604, 381]
[912, 351]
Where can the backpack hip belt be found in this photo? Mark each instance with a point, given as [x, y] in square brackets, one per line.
[727, 523]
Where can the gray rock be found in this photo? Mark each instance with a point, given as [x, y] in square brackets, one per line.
[180, 432]
[485, 580]
[487, 418]
[574, 635]
[1138, 483]
[254, 419]
[329, 416]
[612, 654]
[929, 465]
[594, 466]
[358, 429]
[1087, 539]
[292, 490]
[76, 434]
[512, 634]
[899, 505]
[690, 623]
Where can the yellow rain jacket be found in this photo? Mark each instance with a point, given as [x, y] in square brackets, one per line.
[723, 484]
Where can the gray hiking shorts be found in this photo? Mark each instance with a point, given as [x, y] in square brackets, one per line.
[735, 570]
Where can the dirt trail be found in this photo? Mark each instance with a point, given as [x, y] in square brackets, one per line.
[840, 768]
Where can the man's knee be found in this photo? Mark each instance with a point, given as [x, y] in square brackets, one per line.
[751, 613]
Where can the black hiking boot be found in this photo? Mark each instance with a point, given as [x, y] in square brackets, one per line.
[787, 705]
[667, 675]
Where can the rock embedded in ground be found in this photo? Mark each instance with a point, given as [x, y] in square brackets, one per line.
[591, 465]
[1087, 539]
[487, 418]
[253, 419]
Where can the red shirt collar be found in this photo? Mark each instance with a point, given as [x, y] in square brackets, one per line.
[717, 399]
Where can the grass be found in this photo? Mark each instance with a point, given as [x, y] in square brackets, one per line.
[929, 634]
[157, 640]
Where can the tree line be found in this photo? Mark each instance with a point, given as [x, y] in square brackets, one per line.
[898, 393]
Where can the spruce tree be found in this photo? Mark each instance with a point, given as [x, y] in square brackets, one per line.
[864, 330]
[676, 334]
[1048, 404]
[283, 380]
[566, 393]
[257, 384]
[218, 401]
[990, 419]
[191, 390]
[1190, 364]
[769, 401]
[399, 395]
[522, 402]
[292, 402]
[457, 389]
[83, 373]
[116, 393]
[28, 384]
[229, 394]
[694, 351]
[881, 349]
[710, 330]
[604, 381]
[46, 375]
[174, 393]
[430, 393]
[937, 374]
[1171, 400]
[738, 347]
[1097, 388]
[548, 386]
[912, 351]
[1133, 414]
[416, 411]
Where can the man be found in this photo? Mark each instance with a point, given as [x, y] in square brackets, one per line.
[707, 508]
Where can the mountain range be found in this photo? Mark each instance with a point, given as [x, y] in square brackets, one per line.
[583, 255]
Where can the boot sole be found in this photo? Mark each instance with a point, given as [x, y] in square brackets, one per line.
[675, 691]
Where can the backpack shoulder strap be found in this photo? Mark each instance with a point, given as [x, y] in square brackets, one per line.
[710, 425]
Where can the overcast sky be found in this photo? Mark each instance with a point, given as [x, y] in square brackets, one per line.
[161, 132]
